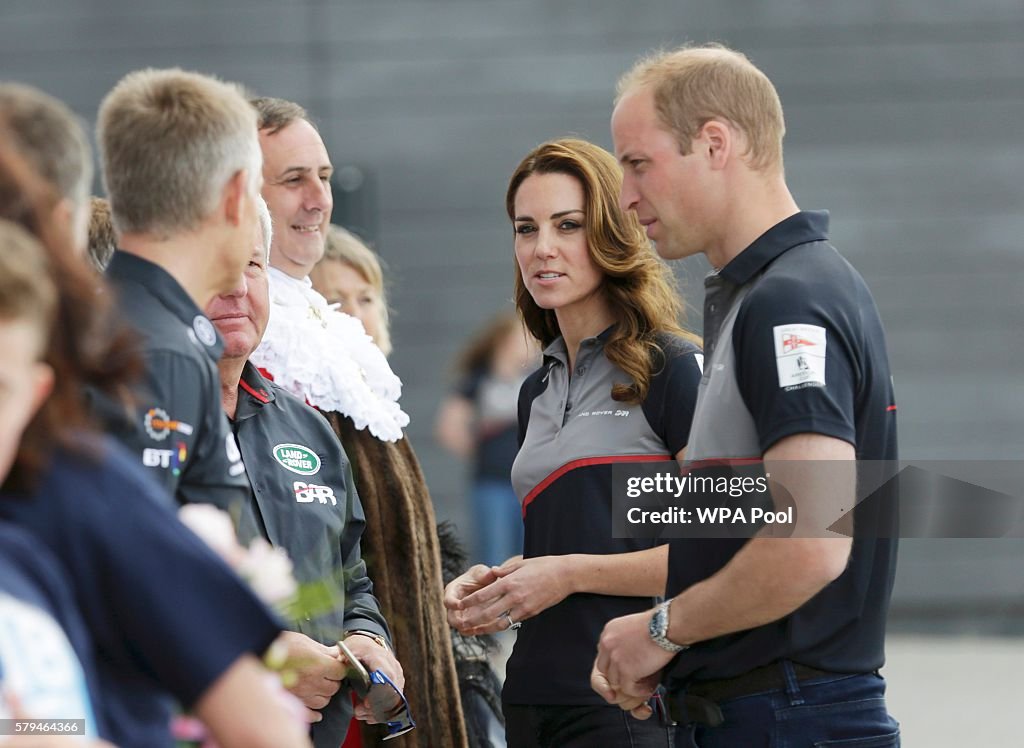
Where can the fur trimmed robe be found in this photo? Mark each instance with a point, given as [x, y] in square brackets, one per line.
[401, 550]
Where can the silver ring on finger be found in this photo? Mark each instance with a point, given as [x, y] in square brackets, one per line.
[512, 625]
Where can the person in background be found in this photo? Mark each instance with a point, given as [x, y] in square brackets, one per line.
[477, 422]
[351, 276]
[102, 237]
[326, 358]
[617, 386]
[197, 634]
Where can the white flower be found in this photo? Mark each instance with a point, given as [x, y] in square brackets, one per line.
[269, 571]
[215, 528]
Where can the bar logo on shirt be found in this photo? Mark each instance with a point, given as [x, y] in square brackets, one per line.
[159, 425]
[298, 459]
[800, 356]
[307, 493]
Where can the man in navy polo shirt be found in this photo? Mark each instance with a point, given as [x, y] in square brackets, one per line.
[768, 636]
[183, 168]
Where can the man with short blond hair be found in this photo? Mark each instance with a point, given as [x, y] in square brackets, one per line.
[760, 636]
[182, 167]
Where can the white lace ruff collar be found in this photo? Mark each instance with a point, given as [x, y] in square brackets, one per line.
[325, 357]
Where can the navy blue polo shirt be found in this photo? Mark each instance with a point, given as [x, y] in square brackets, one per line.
[178, 430]
[794, 345]
[167, 617]
[572, 433]
[46, 654]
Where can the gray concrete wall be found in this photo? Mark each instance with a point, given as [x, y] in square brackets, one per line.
[904, 120]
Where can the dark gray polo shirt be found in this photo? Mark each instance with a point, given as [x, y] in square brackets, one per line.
[794, 345]
[304, 500]
[571, 433]
[178, 430]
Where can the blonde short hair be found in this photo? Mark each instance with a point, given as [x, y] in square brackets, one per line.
[344, 246]
[693, 85]
[102, 237]
[169, 141]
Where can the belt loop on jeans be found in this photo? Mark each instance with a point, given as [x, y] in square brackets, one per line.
[792, 685]
[688, 709]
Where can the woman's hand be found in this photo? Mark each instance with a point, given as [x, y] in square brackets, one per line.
[473, 579]
[519, 590]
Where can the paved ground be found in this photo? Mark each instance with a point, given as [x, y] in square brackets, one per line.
[953, 692]
[956, 692]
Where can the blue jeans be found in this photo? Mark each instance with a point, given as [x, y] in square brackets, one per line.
[498, 519]
[840, 711]
[545, 726]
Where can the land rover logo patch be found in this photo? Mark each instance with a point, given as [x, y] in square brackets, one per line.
[298, 459]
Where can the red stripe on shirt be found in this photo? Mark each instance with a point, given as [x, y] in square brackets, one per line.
[720, 462]
[258, 394]
[587, 462]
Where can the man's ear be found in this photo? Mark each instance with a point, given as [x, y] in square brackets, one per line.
[233, 196]
[42, 385]
[717, 140]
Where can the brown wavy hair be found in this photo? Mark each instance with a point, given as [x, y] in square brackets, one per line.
[638, 286]
[88, 348]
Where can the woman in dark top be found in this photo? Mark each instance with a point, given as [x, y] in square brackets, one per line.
[617, 385]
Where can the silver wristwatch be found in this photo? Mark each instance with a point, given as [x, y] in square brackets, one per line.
[658, 629]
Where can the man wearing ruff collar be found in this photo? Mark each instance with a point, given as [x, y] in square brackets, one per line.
[326, 357]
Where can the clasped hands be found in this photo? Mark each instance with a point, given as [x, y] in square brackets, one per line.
[315, 670]
[487, 599]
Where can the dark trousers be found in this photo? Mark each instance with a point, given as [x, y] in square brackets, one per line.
[838, 710]
[581, 727]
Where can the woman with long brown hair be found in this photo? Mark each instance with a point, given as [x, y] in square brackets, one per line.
[617, 385]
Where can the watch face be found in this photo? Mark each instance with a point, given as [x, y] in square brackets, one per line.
[656, 627]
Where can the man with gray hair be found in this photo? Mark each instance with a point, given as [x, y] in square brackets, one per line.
[182, 168]
[325, 358]
[52, 139]
[311, 510]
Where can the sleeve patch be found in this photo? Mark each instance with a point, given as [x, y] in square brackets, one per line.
[800, 355]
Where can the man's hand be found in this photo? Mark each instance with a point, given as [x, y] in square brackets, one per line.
[374, 657]
[313, 671]
[629, 664]
[523, 587]
[475, 578]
